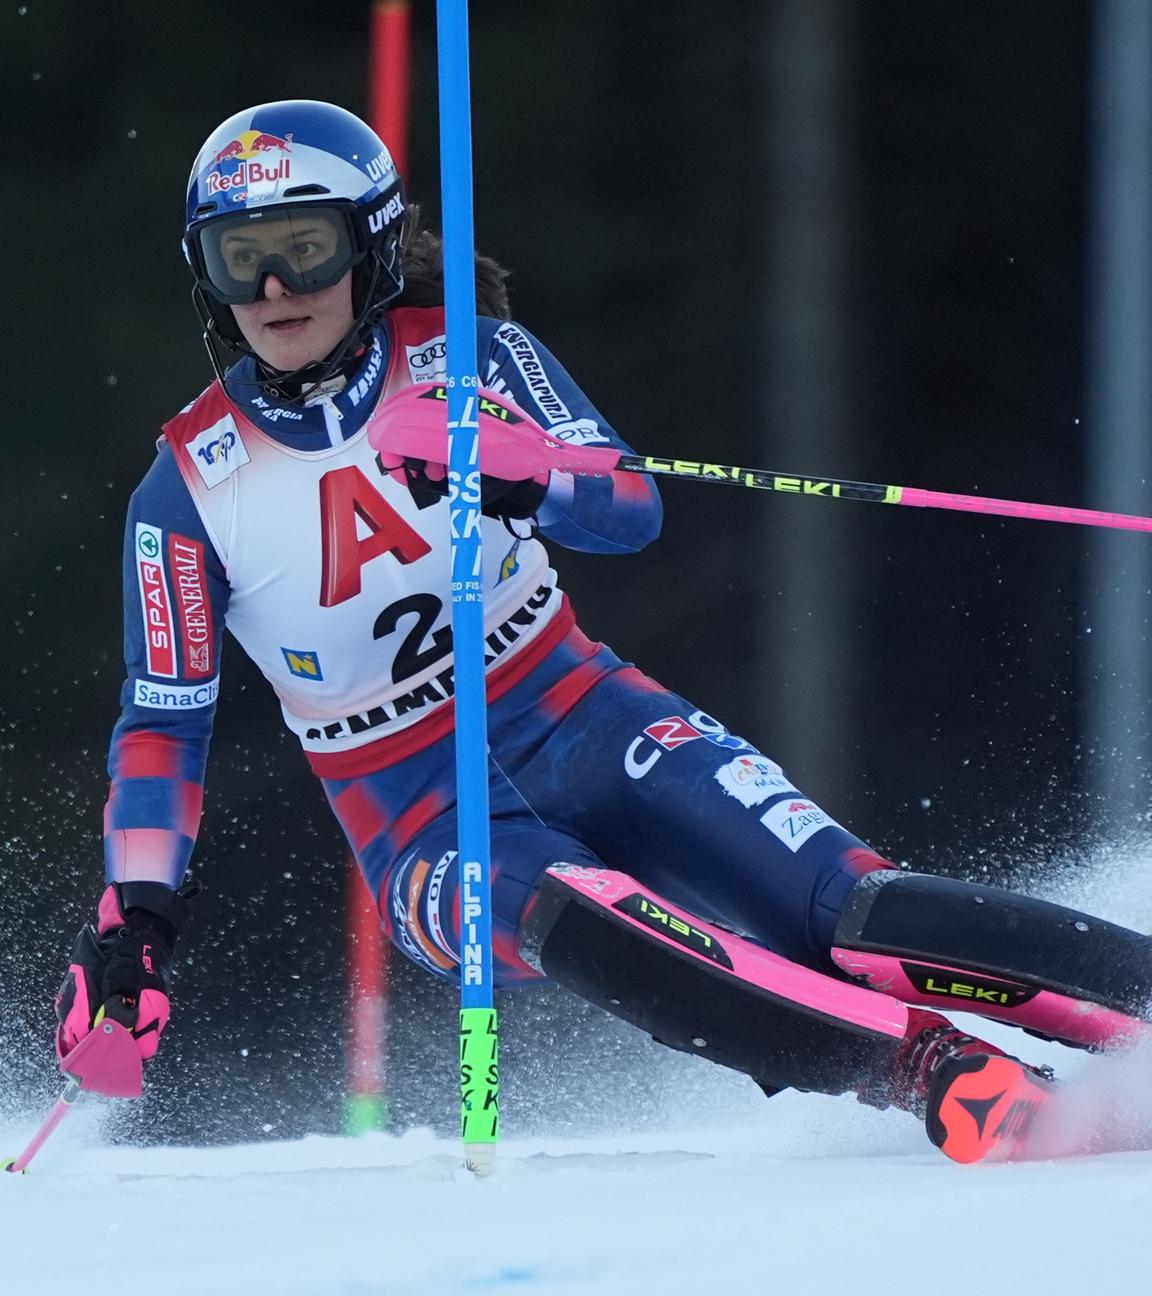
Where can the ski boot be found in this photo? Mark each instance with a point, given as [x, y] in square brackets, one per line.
[975, 1100]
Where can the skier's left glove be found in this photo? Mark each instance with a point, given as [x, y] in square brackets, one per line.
[121, 965]
[428, 482]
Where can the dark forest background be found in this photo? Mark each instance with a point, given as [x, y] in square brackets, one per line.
[639, 166]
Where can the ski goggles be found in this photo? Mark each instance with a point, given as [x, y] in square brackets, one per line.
[307, 246]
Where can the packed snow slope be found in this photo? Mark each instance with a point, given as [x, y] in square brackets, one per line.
[820, 1196]
[799, 1194]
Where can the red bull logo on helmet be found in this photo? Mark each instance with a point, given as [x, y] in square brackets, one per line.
[250, 143]
[246, 161]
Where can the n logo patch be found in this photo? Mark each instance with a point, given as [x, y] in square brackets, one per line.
[304, 665]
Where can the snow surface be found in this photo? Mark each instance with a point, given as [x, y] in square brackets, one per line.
[800, 1194]
[821, 1196]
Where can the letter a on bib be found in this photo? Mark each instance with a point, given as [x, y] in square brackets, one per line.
[345, 495]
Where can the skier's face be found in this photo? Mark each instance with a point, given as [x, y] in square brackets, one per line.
[287, 330]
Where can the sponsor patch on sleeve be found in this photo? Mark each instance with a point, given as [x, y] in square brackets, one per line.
[751, 780]
[532, 371]
[672, 732]
[794, 820]
[174, 697]
[579, 432]
[190, 582]
[155, 605]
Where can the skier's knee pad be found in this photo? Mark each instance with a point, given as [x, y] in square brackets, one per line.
[684, 982]
[1032, 944]
[423, 906]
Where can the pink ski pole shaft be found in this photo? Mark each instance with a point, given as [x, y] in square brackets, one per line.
[106, 1061]
[873, 492]
[62, 1108]
[514, 447]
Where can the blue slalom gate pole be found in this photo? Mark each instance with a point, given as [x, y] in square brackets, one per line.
[479, 1059]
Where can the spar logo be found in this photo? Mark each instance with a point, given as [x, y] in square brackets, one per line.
[155, 607]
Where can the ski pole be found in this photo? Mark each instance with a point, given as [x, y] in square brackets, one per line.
[832, 488]
[513, 447]
[72, 1089]
[106, 1061]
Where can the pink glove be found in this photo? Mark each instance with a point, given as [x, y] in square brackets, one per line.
[120, 965]
[513, 446]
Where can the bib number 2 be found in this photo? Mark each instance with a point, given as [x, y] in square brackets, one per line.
[411, 658]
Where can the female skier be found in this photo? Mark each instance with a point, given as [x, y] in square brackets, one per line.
[642, 855]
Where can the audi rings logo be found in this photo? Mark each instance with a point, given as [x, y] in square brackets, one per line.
[422, 359]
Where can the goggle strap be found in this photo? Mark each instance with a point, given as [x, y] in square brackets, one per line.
[382, 213]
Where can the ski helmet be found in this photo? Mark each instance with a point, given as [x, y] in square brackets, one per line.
[325, 183]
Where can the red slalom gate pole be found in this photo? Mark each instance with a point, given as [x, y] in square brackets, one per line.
[366, 1086]
[391, 60]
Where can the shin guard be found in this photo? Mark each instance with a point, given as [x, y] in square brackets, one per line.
[705, 991]
[1054, 971]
